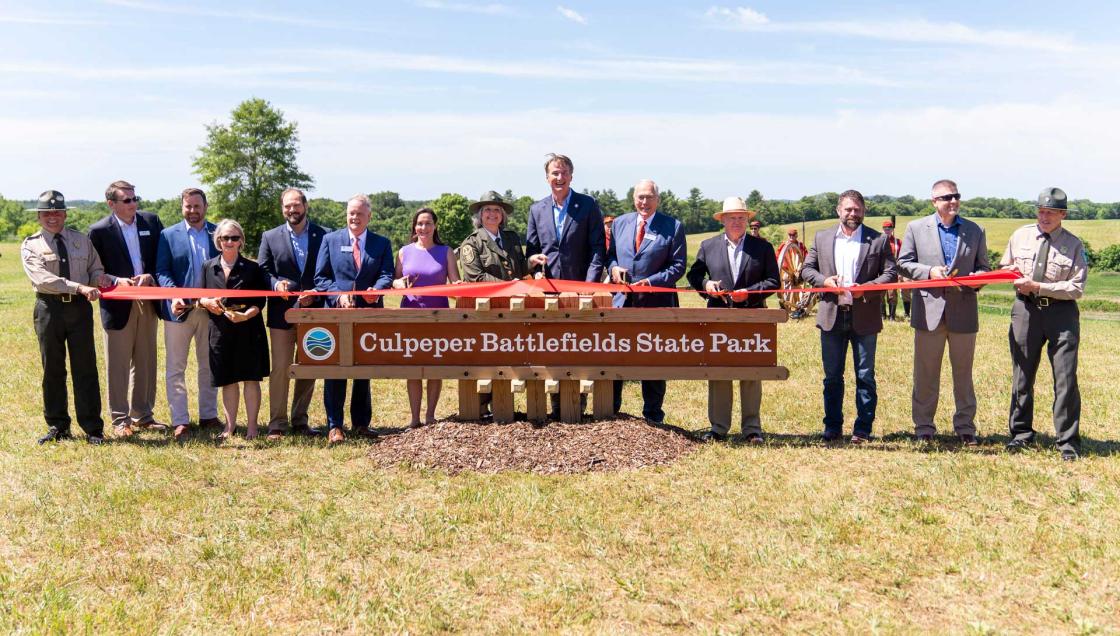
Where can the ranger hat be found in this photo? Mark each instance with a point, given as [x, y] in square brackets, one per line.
[1054, 198]
[50, 200]
[734, 204]
[490, 197]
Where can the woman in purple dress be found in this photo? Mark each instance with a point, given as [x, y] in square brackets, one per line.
[425, 261]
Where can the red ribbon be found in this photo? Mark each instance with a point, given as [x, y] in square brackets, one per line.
[534, 287]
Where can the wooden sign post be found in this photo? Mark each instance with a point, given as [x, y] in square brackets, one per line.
[570, 340]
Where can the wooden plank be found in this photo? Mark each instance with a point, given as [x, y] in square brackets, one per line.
[569, 300]
[605, 314]
[569, 402]
[345, 344]
[501, 403]
[470, 406]
[517, 304]
[603, 299]
[482, 304]
[603, 399]
[536, 401]
[540, 373]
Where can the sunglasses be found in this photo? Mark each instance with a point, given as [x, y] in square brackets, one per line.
[956, 196]
[230, 239]
[129, 200]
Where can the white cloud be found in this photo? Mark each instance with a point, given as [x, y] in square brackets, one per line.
[247, 15]
[923, 31]
[466, 7]
[606, 68]
[571, 14]
[1010, 149]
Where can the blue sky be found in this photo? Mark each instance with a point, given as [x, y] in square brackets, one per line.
[431, 96]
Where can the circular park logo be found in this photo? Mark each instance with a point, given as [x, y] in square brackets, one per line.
[318, 344]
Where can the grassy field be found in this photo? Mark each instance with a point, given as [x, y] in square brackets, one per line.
[146, 536]
[1099, 234]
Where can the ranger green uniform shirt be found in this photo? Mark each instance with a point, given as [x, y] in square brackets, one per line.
[1066, 268]
[482, 261]
[41, 262]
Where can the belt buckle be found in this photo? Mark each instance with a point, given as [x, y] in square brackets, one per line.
[1043, 301]
[65, 297]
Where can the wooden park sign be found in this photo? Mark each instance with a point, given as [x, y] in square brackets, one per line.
[503, 345]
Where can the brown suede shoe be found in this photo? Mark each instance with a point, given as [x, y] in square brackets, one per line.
[152, 425]
[209, 421]
[123, 430]
[336, 436]
[182, 433]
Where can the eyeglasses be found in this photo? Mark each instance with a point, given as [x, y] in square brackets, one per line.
[130, 200]
[230, 239]
[956, 196]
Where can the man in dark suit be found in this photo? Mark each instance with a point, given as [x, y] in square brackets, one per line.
[734, 262]
[183, 248]
[352, 260]
[127, 240]
[287, 256]
[847, 256]
[565, 231]
[648, 250]
[938, 246]
[565, 236]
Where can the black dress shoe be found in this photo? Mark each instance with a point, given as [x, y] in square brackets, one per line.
[711, 436]
[304, 429]
[1017, 445]
[364, 431]
[95, 440]
[752, 438]
[924, 438]
[859, 439]
[968, 440]
[54, 435]
[1070, 456]
[830, 437]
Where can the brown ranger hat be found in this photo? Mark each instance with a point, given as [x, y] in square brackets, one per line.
[1053, 198]
[490, 197]
[50, 200]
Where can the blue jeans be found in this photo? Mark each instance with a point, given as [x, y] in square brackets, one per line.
[834, 347]
[334, 398]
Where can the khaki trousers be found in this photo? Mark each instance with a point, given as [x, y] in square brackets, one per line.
[720, 393]
[130, 358]
[177, 338]
[929, 350]
[283, 346]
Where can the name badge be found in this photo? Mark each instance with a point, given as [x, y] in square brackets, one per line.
[145, 233]
[347, 248]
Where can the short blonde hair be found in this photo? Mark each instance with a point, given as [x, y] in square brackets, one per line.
[224, 223]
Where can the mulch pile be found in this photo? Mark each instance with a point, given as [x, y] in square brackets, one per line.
[599, 446]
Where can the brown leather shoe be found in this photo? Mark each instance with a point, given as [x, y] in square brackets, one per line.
[123, 430]
[857, 440]
[336, 436]
[969, 440]
[275, 435]
[182, 433]
[152, 425]
[209, 421]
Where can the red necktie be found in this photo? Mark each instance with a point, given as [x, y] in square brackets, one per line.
[641, 235]
[357, 254]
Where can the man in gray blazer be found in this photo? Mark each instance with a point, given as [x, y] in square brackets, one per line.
[846, 256]
[942, 245]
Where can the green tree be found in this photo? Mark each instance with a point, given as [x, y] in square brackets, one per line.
[247, 164]
[754, 200]
[454, 218]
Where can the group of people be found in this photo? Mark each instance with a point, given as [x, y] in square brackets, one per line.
[567, 238]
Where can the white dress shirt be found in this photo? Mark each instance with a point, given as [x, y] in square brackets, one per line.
[131, 235]
[845, 251]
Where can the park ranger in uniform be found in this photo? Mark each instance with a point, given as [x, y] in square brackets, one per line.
[491, 253]
[64, 269]
[1052, 269]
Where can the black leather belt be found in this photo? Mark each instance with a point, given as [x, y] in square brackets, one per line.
[1041, 301]
[59, 298]
[840, 307]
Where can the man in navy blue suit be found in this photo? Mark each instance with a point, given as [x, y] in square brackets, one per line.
[648, 250]
[127, 240]
[288, 255]
[565, 235]
[351, 260]
[565, 232]
[183, 248]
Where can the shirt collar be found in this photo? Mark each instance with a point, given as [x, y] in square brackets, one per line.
[856, 236]
[649, 221]
[727, 240]
[563, 204]
[493, 236]
[956, 221]
[292, 231]
[122, 223]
